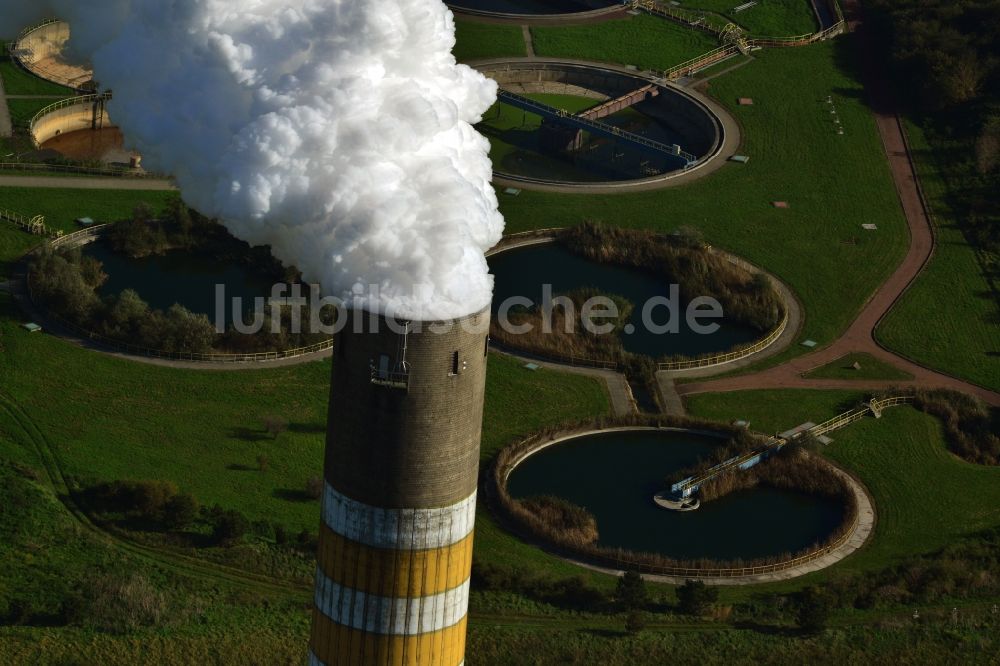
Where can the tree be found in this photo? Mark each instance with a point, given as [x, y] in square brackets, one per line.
[179, 511]
[275, 425]
[814, 606]
[230, 526]
[696, 598]
[635, 622]
[631, 591]
[314, 487]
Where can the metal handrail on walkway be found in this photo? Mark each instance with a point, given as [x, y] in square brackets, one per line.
[33, 225]
[874, 407]
[546, 111]
[729, 357]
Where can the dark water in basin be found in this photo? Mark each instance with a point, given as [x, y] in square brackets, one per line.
[615, 475]
[532, 6]
[522, 272]
[179, 277]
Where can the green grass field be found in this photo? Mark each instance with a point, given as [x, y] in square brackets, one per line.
[644, 41]
[796, 156]
[476, 40]
[203, 430]
[950, 318]
[62, 206]
[23, 110]
[925, 497]
[17, 81]
[768, 18]
[870, 368]
[108, 418]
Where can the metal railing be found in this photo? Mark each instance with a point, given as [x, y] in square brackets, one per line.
[30, 29]
[623, 562]
[594, 126]
[701, 62]
[729, 357]
[33, 225]
[874, 407]
[80, 100]
[81, 170]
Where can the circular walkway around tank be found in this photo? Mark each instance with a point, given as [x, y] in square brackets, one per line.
[863, 529]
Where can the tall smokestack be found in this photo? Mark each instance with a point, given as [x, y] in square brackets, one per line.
[401, 469]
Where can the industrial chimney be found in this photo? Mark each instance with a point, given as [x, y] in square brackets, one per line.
[401, 468]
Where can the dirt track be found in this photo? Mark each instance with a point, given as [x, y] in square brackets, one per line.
[859, 337]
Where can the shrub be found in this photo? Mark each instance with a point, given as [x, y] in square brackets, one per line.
[314, 487]
[630, 591]
[635, 622]
[814, 608]
[696, 598]
[263, 462]
[573, 523]
[229, 527]
[121, 604]
[275, 425]
[180, 511]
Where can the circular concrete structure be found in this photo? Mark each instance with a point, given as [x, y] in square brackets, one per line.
[79, 128]
[706, 130]
[39, 49]
[855, 536]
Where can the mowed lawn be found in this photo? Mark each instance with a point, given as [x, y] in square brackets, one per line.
[950, 318]
[61, 207]
[768, 18]
[925, 497]
[476, 40]
[17, 81]
[113, 419]
[644, 41]
[832, 183]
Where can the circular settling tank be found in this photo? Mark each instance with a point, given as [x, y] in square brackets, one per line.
[179, 276]
[569, 124]
[614, 475]
[523, 272]
[105, 145]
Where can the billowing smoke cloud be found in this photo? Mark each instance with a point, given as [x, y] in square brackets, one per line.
[336, 131]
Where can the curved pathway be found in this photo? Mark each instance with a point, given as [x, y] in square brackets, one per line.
[87, 183]
[860, 336]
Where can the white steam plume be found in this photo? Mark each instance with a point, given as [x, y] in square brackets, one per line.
[337, 131]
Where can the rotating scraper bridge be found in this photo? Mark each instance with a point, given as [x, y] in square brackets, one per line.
[587, 121]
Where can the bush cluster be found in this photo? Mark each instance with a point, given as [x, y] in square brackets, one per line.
[574, 592]
[67, 281]
[972, 429]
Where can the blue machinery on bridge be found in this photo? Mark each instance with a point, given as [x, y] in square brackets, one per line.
[685, 488]
[672, 152]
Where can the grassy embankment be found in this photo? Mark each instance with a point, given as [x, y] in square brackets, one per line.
[925, 496]
[770, 18]
[644, 41]
[949, 319]
[476, 40]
